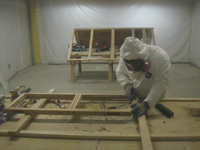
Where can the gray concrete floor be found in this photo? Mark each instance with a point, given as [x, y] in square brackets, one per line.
[184, 80]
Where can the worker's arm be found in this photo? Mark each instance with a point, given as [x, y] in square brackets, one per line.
[124, 80]
[160, 83]
[121, 73]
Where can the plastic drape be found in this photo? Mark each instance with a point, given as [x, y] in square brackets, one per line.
[15, 53]
[171, 20]
[195, 48]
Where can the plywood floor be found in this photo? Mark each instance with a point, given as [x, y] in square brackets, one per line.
[186, 120]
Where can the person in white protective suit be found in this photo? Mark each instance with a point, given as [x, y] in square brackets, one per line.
[143, 69]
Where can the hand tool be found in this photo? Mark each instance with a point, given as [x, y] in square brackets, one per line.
[14, 91]
[165, 111]
[132, 94]
[58, 102]
[102, 105]
[63, 102]
[78, 48]
[115, 107]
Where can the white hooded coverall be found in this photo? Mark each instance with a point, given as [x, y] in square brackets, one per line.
[152, 84]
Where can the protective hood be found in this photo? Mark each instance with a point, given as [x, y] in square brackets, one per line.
[133, 48]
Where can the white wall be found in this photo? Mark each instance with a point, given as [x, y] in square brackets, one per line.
[172, 21]
[195, 48]
[15, 53]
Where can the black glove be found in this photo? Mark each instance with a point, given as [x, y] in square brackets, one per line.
[139, 109]
[130, 92]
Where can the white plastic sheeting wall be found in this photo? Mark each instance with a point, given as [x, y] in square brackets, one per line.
[172, 21]
[195, 50]
[15, 52]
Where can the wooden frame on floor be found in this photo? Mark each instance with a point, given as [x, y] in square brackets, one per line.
[145, 137]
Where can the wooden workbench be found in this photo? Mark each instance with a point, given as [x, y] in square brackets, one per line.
[112, 37]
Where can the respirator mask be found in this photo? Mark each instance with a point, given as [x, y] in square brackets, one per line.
[137, 65]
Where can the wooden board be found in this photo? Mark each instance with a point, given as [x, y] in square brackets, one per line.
[145, 136]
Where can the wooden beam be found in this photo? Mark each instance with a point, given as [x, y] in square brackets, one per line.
[75, 54]
[80, 135]
[94, 59]
[180, 100]
[42, 101]
[112, 43]
[79, 67]
[71, 45]
[24, 104]
[149, 37]
[72, 71]
[175, 137]
[17, 100]
[144, 36]
[153, 36]
[90, 45]
[104, 136]
[105, 112]
[95, 96]
[63, 95]
[19, 125]
[77, 37]
[110, 71]
[75, 101]
[25, 119]
[111, 28]
[133, 32]
[145, 136]
[71, 135]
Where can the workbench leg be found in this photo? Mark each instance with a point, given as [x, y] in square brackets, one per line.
[72, 71]
[79, 67]
[110, 72]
